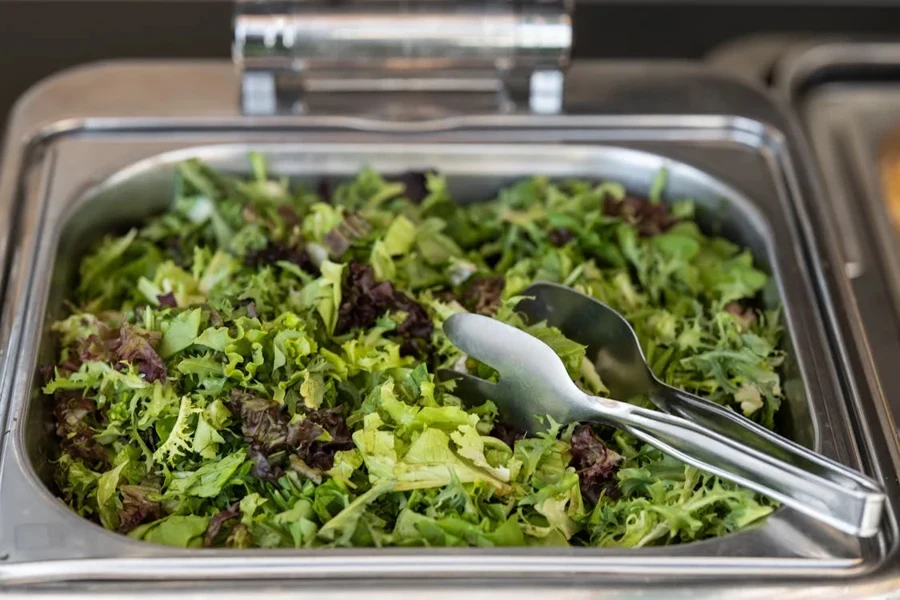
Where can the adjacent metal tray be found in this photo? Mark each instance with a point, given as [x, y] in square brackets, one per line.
[107, 158]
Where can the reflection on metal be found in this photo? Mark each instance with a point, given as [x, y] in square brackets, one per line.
[446, 48]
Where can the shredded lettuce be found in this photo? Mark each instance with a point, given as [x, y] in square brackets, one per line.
[255, 367]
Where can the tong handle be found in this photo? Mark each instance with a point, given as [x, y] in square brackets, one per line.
[804, 486]
[738, 427]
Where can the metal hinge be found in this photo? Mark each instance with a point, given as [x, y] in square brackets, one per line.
[411, 59]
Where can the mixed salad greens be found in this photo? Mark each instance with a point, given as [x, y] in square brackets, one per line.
[255, 367]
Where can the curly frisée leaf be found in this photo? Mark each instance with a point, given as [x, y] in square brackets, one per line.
[255, 367]
[176, 443]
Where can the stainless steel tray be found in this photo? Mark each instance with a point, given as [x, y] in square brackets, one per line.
[104, 156]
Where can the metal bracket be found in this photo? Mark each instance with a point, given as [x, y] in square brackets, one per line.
[362, 56]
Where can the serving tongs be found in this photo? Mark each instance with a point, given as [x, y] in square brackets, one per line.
[534, 385]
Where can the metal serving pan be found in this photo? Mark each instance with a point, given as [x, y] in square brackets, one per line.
[104, 157]
[477, 170]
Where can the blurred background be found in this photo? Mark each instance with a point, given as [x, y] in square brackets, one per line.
[40, 37]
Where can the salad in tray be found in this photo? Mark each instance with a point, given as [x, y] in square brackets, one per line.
[255, 367]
